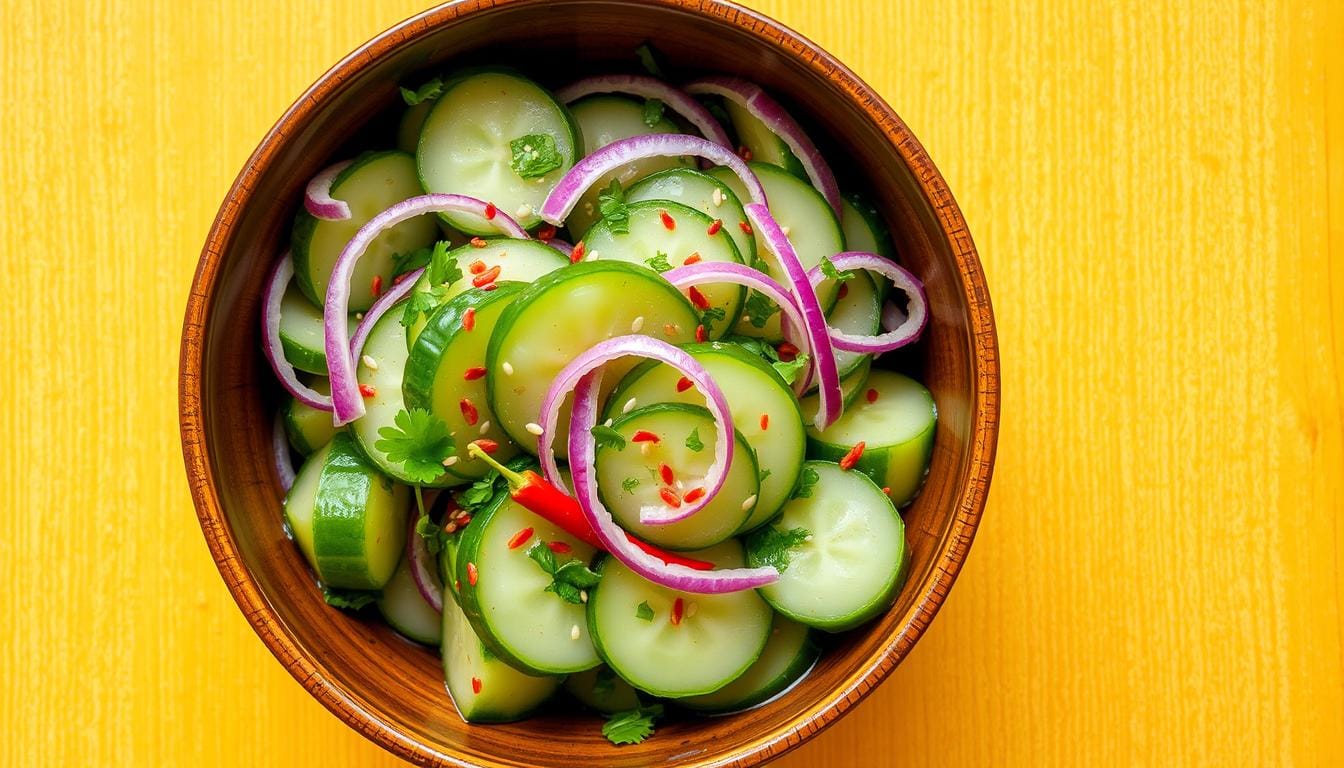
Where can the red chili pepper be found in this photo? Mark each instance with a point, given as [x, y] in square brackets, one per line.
[668, 221]
[746, 226]
[472, 374]
[469, 411]
[678, 608]
[665, 472]
[477, 267]
[490, 211]
[469, 319]
[477, 242]
[377, 287]
[576, 255]
[670, 498]
[486, 277]
[471, 574]
[546, 233]
[852, 458]
[693, 495]
[532, 491]
[559, 547]
[872, 395]
[683, 384]
[520, 538]
[698, 299]
[475, 685]
[367, 390]
[715, 227]
[701, 334]
[644, 436]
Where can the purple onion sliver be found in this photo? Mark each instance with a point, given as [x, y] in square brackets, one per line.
[284, 465]
[561, 246]
[422, 569]
[317, 199]
[651, 88]
[901, 328]
[400, 290]
[276, 283]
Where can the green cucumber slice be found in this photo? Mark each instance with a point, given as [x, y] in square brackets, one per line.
[850, 388]
[483, 688]
[752, 389]
[306, 427]
[302, 499]
[764, 144]
[406, 610]
[603, 690]
[789, 655]
[866, 231]
[412, 122]
[897, 428]
[358, 520]
[649, 242]
[302, 335]
[628, 479]
[518, 620]
[857, 311]
[716, 639]
[603, 119]
[465, 145]
[851, 560]
[698, 190]
[558, 318]
[373, 183]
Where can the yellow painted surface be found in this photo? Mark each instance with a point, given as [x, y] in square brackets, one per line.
[1157, 191]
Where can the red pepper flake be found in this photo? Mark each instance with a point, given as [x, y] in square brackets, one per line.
[477, 267]
[693, 495]
[700, 333]
[559, 547]
[377, 287]
[469, 319]
[475, 685]
[698, 299]
[645, 436]
[520, 538]
[576, 255]
[871, 395]
[487, 445]
[368, 390]
[852, 457]
[463, 520]
[746, 226]
[457, 584]
[471, 574]
[397, 280]
[472, 374]
[715, 227]
[765, 421]
[744, 153]
[787, 352]
[477, 242]
[678, 608]
[486, 277]
[665, 472]
[668, 221]
[490, 211]
[469, 411]
[670, 498]
[490, 287]
[546, 233]
[694, 258]
[844, 290]
[683, 384]
[886, 489]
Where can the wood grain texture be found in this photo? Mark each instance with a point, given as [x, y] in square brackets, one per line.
[1157, 191]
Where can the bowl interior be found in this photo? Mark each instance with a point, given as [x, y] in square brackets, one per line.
[391, 689]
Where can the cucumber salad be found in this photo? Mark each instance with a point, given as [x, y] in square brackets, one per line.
[588, 393]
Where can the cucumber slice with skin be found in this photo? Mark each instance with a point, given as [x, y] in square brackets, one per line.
[386, 347]
[306, 427]
[603, 690]
[302, 499]
[853, 560]
[866, 231]
[753, 389]
[857, 311]
[503, 591]
[603, 119]
[406, 610]
[302, 335]
[358, 520]
[518, 261]
[716, 637]
[629, 479]
[371, 184]
[851, 387]
[764, 144]
[897, 428]
[649, 238]
[697, 190]
[437, 373]
[558, 318]
[483, 688]
[465, 145]
[788, 656]
[412, 122]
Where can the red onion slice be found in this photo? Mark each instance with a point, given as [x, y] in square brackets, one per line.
[902, 327]
[590, 169]
[819, 341]
[347, 403]
[423, 571]
[654, 349]
[770, 112]
[561, 246]
[582, 454]
[317, 199]
[284, 465]
[651, 88]
[281, 274]
[400, 290]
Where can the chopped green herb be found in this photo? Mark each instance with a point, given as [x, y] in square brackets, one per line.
[759, 308]
[535, 155]
[760, 265]
[427, 92]
[419, 443]
[644, 612]
[569, 578]
[806, 480]
[659, 263]
[480, 493]
[653, 112]
[434, 536]
[410, 261]
[649, 60]
[606, 437]
[773, 547]
[629, 484]
[828, 269]
[442, 268]
[711, 316]
[632, 727]
[611, 202]
[348, 600]
[542, 556]
[789, 371]
[441, 271]
[694, 442]
[761, 478]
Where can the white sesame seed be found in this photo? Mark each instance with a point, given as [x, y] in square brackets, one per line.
[718, 197]
[594, 255]
[785, 230]
[692, 608]
[749, 502]
[534, 428]
[508, 368]
[359, 315]
[485, 426]
[607, 423]
[645, 448]
[637, 324]
[450, 461]
[629, 405]
[524, 211]
[583, 595]
[370, 363]
[527, 147]
[574, 632]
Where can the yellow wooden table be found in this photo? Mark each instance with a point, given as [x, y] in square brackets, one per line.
[1157, 191]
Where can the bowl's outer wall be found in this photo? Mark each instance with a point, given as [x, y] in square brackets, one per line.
[390, 689]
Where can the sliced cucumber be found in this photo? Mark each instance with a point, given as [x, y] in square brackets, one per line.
[443, 373]
[753, 389]
[629, 479]
[518, 260]
[484, 688]
[560, 316]
[503, 592]
[764, 144]
[412, 122]
[650, 242]
[858, 311]
[602, 690]
[357, 523]
[370, 185]
[863, 227]
[714, 640]
[406, 610]
[302, 335]
[308, 428]
[897, 428]
[848, 558]
[386, 348]
[302, 500]
[602, 120]
[697, 190]
[465, 145]
[788, 656]
[850, 388]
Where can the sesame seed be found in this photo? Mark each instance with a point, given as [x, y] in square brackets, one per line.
[749, 502]
[629, 405]
[485, 426]
[583, 595]
[507, 368]
[785, 230]
[637, 324]
[450, 461]
[717, 197]
[607, 423]
[524, 211]
[359, 315]
[594, 254]
[574, 632]
[450, 527]
[534, 428]
[691, 609]
[645, 448]
[370, 363]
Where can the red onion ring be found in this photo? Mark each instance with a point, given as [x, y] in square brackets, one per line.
[582, 454]
[651, 88]
[347, 403]
[654, 349]
[561, 246]
[423, 571]
[770, 112]
[400, 290]
[317, 198]
[902, 328]
[276, 282]
[818, 335]
[590, 169]
[284, 465]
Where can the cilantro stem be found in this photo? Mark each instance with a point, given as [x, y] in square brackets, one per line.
[419, 500]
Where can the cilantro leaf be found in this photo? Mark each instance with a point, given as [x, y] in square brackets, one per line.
[480, 493]
[789, 370]
[629, 484]
[653, 112]
[410, 261]
[442, 267]
[534, 155]
[649, 60]
[806, 480]
[348, 600]
[604, 682]
[419, 443]
[760, 265]
[828, 269]
[764, 474]
[568, 579]
[644, 612]
[565, 591]
[607, 437]
[710, 316]
[576, 573]
[774, 547]
[441, 270]
[759, 308]
[542, 556]
[632, 727]
[694, 442]
[611, 202]
[659, 263]
[435, 537]
[427, 92]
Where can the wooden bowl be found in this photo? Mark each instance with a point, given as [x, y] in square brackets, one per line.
[391, 690]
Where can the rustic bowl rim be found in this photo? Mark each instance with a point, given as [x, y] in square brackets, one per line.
[970, 499]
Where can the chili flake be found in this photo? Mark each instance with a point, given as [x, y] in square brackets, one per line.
[477, 242]
[787, 352]
[665, 472]
[486, 277]
[576, 255]
[469, 319]
[746, 227]
[669, 497]
[644, 436]
[715, 227]
[694, 258]
[368, 390]
[683, 384]
[700, 333]
[546, 233]
[693, 495]
[520, 538]
[844, 290]
[765, 421]
[871, 395]
[489, 446]
[490, 211]
[698, 298]
[471, 574]
[678, 608]
[852, 458]
[559, 547]
[668, 221]
[475, 685]
[377, 285]
[469, 411]
[474, 373]
[477, 267]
